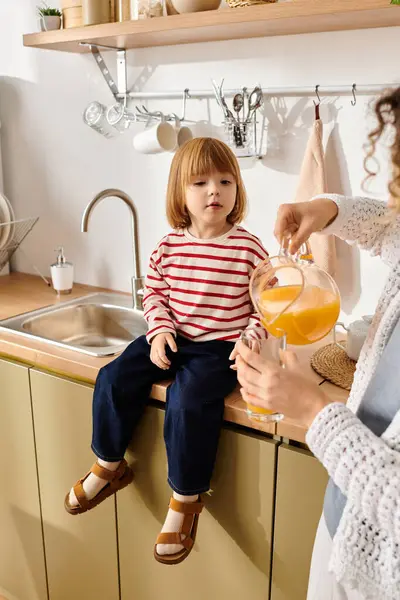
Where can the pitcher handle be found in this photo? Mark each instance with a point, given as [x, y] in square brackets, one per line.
[303, 253]
[339, 324]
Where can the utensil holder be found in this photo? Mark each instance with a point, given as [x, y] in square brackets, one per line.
[241, 136]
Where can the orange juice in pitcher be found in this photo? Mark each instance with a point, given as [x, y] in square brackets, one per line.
[298, 303]
[311, 314]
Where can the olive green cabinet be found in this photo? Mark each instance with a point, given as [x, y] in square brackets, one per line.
[300, 488]
[22, 567]
[263, 493]
[231, 558]
[81, 550]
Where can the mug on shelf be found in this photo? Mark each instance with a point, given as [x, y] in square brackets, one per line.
[357, 333]
[183, 133]
[161, 137]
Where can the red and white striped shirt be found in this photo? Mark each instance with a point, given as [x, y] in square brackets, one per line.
[199, 288]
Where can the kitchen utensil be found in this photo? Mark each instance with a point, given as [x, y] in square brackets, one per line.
[219, 95]
[72, 17]
[357, 333]
[159, 138]
[146, 9]
[255, 100]
[175, 7]
[275, 345]
[238, 103]
[122, 10]
[95, 116]
[293, 295]
[119, 117]
[95, 12]
[183, 133]
[6, 216]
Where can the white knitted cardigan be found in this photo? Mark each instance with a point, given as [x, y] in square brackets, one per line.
[366, 468]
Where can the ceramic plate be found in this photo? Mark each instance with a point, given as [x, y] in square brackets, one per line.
[6, 215]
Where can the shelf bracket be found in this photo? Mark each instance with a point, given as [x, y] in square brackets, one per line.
[119, 88]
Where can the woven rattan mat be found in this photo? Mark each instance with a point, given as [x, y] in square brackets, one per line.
[332, 363]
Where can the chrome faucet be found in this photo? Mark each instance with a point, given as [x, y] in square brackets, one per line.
[137, 280]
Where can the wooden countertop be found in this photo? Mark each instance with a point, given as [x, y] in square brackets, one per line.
[21, 293]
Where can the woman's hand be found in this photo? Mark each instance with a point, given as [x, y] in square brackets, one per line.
[157, 352]
[299, 220]
[266, 384]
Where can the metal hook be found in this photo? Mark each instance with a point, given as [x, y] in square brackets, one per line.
[353, 89]
[316, 91]
[186, 95]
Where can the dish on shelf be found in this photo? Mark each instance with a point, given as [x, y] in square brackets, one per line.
[6, 222]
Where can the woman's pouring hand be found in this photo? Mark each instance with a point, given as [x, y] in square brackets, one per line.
[297, 221]
[282, 390]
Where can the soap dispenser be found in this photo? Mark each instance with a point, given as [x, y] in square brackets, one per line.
[62, 274]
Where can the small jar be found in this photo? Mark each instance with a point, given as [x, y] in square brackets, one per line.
[145, 9]
[122, 10]
[95, 12]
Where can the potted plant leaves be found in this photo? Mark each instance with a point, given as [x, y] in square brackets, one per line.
[50, 18]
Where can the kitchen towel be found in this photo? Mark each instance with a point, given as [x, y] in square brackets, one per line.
[312, 182]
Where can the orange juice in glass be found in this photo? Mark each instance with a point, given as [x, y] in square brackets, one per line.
[272, 346]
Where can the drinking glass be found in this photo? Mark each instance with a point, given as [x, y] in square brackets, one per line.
[271, 351]
[119, 117]
[95, 116]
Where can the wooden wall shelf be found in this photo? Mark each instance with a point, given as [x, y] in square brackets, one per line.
[286, 18]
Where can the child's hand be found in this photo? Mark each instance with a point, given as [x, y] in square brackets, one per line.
[157, 352]
[251, 342]
[234, 354]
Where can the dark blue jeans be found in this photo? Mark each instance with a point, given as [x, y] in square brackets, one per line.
[194, 409]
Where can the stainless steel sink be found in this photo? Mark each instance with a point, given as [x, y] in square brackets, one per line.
[99, 324]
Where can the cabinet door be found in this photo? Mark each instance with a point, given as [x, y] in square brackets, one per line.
[81, 550]
[22, 567]
[231, 557]
[301, 483]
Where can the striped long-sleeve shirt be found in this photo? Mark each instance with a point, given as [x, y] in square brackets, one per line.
[199, 288]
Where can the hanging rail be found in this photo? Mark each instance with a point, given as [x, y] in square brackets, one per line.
[337, 90]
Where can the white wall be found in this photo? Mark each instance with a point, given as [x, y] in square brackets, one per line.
[54, 164]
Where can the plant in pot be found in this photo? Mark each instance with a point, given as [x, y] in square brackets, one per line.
[50, 18]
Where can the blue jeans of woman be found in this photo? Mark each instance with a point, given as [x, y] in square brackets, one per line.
[194, 408]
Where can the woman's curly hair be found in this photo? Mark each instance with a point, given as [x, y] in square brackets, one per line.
[387, 110]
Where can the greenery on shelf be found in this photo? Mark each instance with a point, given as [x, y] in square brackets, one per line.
[46, 11]
[396, 2]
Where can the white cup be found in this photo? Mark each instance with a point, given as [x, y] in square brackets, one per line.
[356, 335]
[184, 134]
[159, 138]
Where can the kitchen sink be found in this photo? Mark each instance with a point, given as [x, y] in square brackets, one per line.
[99, 324]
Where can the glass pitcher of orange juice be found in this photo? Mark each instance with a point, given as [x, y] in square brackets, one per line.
[295, 296]
[298, 303]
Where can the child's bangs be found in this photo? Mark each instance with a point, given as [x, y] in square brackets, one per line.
[207, 157]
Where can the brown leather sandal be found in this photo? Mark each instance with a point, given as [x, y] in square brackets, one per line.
[117, 480]
[191, 510]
